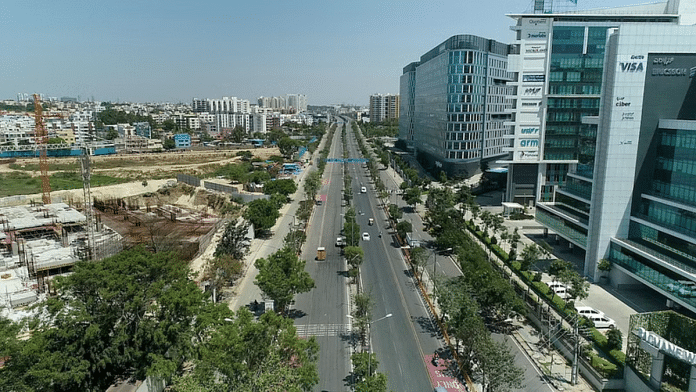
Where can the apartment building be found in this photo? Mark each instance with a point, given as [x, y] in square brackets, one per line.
[384, 107]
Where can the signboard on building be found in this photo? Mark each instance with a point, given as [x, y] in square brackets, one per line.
[527, 155]
[535, 49]
[533, 78]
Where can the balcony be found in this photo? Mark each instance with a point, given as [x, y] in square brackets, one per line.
[561, 228]
[678, 290]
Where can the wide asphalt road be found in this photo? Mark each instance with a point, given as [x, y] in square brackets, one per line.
[322, 311]
[402, 340]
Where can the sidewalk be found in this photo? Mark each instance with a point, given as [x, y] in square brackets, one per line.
[550, 363]
[245, 291]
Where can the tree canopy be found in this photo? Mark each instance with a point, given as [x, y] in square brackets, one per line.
[136, 313]
[281, 276]
[262, 214]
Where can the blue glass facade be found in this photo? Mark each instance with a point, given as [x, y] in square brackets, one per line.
[575, 82]
[459, 104]
[661, 243]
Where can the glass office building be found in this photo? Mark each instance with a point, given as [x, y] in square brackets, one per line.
[455, 111]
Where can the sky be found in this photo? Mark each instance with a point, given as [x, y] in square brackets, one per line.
[332, 51]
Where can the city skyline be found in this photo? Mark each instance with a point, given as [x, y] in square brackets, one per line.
[331, 52]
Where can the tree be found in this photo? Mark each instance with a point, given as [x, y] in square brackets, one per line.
[221, 271]
[234, 241]
[168, 144]
[558, 271]
[530, 255]
[312, 184]
[133, 314]
[419, 258]
[614, 339]
[287, 146]
[281, 276]
[395, 211]
[169, 125]
[262, 214]
[412, 196]
[363, 313]
[112, 134]
[238, 134]
[354, 256]
[402, 228]
[285, 187]
[367, 379]
[496, 369]
[242, 354]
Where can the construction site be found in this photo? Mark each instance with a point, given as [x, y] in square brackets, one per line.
[45, 239]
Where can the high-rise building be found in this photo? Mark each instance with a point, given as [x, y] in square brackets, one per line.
[628, 193]
[557, 61]
[384, 107]
[455, 112]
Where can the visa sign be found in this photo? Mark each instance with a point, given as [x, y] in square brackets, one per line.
[631, 67]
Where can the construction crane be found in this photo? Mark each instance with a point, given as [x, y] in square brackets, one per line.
[41, 141]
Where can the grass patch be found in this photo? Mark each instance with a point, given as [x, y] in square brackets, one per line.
[18, 183]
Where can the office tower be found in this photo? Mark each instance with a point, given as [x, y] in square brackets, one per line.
[455, 112]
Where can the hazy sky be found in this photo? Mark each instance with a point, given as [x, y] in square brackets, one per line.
[154, 51]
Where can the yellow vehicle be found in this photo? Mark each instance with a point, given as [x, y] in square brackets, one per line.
[321, 253]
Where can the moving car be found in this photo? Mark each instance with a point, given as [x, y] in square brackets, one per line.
[366, 236]
[371, 221]
[363, 190]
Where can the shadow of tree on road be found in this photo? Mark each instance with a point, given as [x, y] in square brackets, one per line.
[427, 325]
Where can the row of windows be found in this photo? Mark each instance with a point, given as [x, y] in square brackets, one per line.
[677, 165]
[463, 145]
[570, 89]
[562, 130]
[676, 248]
[465, 108]
[461, 117]
[681, 192]
[465, 57]
[678, 139]
[459, 127]
[560, 143]
[670, 216]
[566, 103]
[463, 154]
[463, 135]
[559, 156]
[464, 98]
[466, 69]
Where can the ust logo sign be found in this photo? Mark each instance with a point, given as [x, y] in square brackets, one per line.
[631, 67]
[529, 143]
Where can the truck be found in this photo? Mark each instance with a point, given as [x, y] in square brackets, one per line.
[321, 253]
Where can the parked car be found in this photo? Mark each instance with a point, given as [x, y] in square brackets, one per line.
[340, 241]
[588, 311]
[366, 236]
[602, 321]
[561, 291]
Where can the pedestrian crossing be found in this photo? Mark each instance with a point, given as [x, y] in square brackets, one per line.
[321, 330]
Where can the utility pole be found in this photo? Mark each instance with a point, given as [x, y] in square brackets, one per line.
[574, 373]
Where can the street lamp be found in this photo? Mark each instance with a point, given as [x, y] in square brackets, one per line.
[434, 252]
[369, 340]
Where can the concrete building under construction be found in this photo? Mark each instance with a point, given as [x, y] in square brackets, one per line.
[39, 241]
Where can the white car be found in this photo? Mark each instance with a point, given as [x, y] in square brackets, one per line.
[588, 311]
[363, 190]
[602, 321]
[366, 236]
